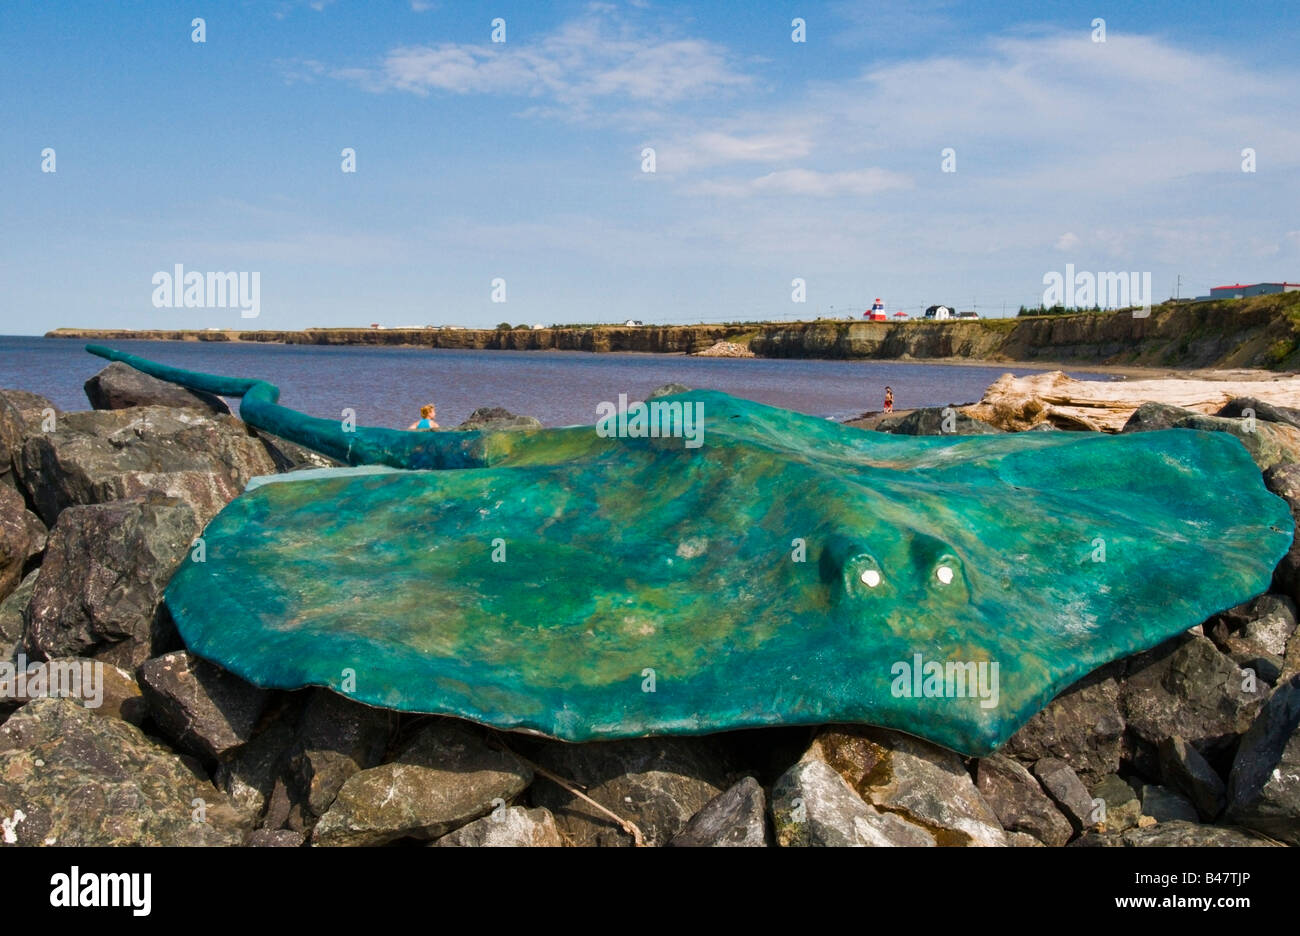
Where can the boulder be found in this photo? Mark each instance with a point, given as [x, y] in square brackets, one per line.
[200, 707]
[69, 777]
[668, 389]
[444, 778]
[100, 590]
[121, 386]
[1236, 408]
[1165, 805]
[736, 818]
[1184, 770]
[493, 418]
[1264, 786]
[921, 782]
[656, 783]
[935, 420]
[513, 827]
[1174, 835]
[290, 456]
[22, 414]
[1254, 635]
[12, 610]
[1284, 481]
[274, 838]
[1082, 726]
[1024, 839]
[104, 455]
[336, 738]
[1186, 687]
[249, 775]
[102, 688]
[1067, 791]
[22, 538]
[1152, 417]
[1019, 801]
[812, 805]
[1122, 808]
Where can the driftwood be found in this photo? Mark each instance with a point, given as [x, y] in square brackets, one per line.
[1016, 403]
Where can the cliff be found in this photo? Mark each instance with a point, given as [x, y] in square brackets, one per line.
[1263, 331]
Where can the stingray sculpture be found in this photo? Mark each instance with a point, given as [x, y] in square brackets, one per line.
[789, 570]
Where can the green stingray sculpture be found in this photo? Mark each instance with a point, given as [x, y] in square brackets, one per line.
[789, 570]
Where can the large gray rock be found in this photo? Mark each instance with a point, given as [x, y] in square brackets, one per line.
[1067, 791]
[274, 838]
[336, 738]
[1174, 835]
[736, 818]
[1184, 769]
[1082, 726]
[1264, 786]
[444, 778]
[200, 707]
[290, 456]
[22, 537]
[121, 386]
[104, 455]
[935, 421]
[100, 590]
[1186, 687]
[812, 805]
[1151, 417]
[22, 414]
[1254, 635]
[656, 783]
[1019, 800]
[493, 418]
[1237, 408]
[1165, 805]
[921, 782]
[69, 777]
[12, 611]
[249, 775]
[513, 827]
[102, 688]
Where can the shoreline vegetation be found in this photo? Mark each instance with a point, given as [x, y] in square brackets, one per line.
[1259, 333]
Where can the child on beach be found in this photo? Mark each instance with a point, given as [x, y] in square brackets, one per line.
[426, 418]
[889, 399]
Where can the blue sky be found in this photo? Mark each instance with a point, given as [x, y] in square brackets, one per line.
[522, 160]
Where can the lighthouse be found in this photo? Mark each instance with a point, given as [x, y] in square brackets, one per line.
[877, 312]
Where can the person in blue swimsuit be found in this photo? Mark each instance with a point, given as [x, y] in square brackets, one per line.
[426, 418]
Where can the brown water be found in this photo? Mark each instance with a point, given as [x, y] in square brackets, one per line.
[386, 386]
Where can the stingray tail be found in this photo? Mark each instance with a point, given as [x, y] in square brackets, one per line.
[340, 439]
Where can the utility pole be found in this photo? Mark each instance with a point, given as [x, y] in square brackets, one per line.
[1178, 290]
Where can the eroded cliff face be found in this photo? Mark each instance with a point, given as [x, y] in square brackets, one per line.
[1258, 332]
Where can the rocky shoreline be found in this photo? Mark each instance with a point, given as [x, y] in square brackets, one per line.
[1262, 332]
[1193, 742]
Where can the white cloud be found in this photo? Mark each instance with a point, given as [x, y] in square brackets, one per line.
[1068, 241]
[809, 183]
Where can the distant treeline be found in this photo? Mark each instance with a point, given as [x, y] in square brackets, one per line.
[1061, 310]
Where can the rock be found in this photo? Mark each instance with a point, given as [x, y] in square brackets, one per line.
[727, 349]
[736, 818]
[513, 827]
[1023, 839]
[69, 777]
[22, 537]
[935, 420]
[1264, 786]
[1186, 687]
[444, 778]
[1184, 770]
[200, 707]
[1082, 726]
[105, 455]
[249, 776]
[921, 782]
[657, 783]
[121, 386]
[1019, 801]
[493, 418]
[1269, 444]
[668, 389]
[1152, 417]
[1164, 805]
[812, 805]
[1254, 635]
[100, 590]
[290, 456]
[1123, 809]
[102, 688]
[21, 414]
[12, 610]
[1284, 481]
[1235, 408]
[336, 737]
[1175, 835]
[1068, 792]
[274, 838]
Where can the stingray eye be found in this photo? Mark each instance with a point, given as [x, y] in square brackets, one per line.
[944, 574]
[870, 578]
